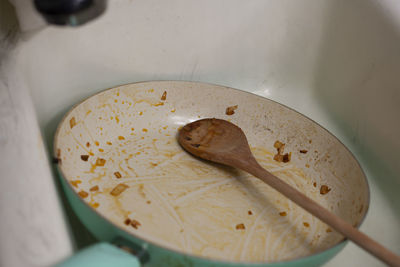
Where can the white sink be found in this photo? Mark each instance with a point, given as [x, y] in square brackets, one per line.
[338, 62]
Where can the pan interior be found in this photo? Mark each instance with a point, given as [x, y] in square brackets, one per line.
[119, 152]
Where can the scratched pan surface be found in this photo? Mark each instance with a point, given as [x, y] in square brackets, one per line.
[125, 137]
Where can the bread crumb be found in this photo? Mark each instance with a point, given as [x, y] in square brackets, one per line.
[118, 189]
[94, 188]
[83, 194]
[280, 157]
[231, 110]
[95, 205]
[117, 174]
[72, 122]
[240, 226]
[324, 189]
[100, 162]
[135, 224]
[75, 183]
[164, 96]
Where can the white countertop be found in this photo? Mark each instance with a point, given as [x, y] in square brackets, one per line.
[272, 48]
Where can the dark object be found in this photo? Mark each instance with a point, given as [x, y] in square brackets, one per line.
[70, 12]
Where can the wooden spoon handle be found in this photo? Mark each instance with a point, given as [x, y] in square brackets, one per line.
[323, 214]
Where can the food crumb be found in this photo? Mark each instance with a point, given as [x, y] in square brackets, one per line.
[101, 150]
[100, 162]
[280, 157]
[87, 144]
[94, 188]
[164, 96]
[250, 212]
[148, 202]
[307, 165]
[144, 130]
[328, 230]
[127, 221]
[286, 157]
[95, 205]
[84, 157]
[118, 189]
[173, 110]
[283, 213]
[324, 189]
[135, 224]
[304, 151]
[240, 226]
[83, 194]
[109, 143]
[75, 183]
[141, 113]
[231, 110]
[117, 174]
[159, 104]
[121, 138]
[96, 143]
[72, 122]
[315, 184]
[279, 145]
[306, 224]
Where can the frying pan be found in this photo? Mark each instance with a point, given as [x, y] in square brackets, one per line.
[150, 203]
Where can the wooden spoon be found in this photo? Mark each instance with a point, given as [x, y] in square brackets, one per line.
[223, 142]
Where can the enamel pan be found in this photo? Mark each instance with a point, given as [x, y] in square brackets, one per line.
[150, 203]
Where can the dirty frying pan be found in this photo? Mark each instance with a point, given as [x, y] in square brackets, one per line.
[150, 203]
